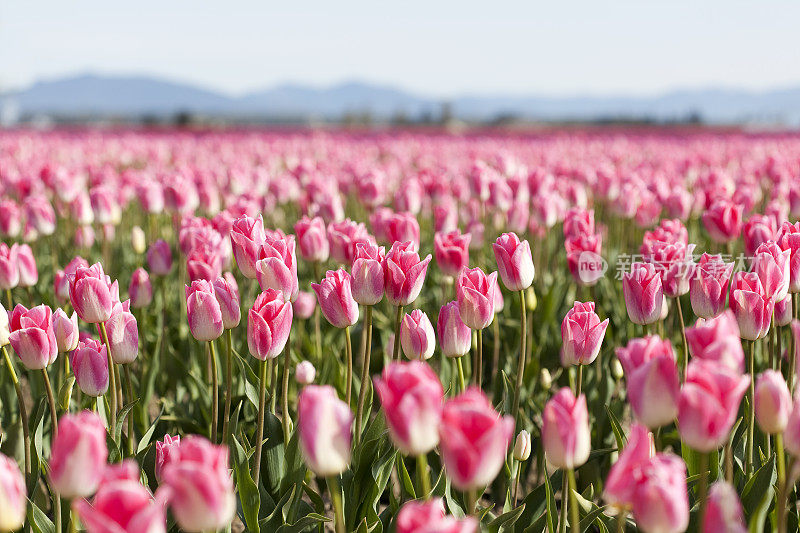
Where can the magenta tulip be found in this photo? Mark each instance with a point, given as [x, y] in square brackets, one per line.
[723, 510]
[13, 496]
[661, 501]
[9, 266]
[335, 298]
[565, 430]
[717, 339]
[324, 427]
[751, 306]
[312, 239]
[455, 337]
[708, 286]
[404, 273]
[622, 478]
[140, 289]
[723, 221]
[90, 365]
[773, 403]
[78, 455]
[429, 517]
[582, 335]
[247, 236]
[476, 295]
[451, 251]
[416, 336]
[644, 295]
[28, 275]
[32, 336]
[304, 305]
[269, 322]
[167, 451]
[203, 311]
[276, 267]
[227, 294]
[91, 294]
[159, 258]
[514, 261]
[368, 279]
[123, 333]
[66, 330]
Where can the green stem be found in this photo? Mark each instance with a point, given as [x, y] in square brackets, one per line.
[579, 381]
[752, 418]
[562, 519]
[478, 370]
[702, 487]
[287, 357]
[573, 501]
[365, 383]
[521, 358]
[781, 495]
[228, 387]
[23, 412]
[214, 392]
[317, 322]
[729, 461]
[516, 481]
[112, 384]
[273, 385]
[472, 501]
[349, 355]
[129, 392]
[683, 335]
[461, 380]
[336, 500]
[262, 400]
[397, 321]
[54, 418]
[10, 300]
[424, 476]
[621, 521]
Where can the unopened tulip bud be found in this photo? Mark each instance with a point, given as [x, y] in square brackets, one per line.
[416, 336]
[66, 330]
[90, 365]
[5, 333]
[545, 380]
[140, 289]
[617, 370]
[773, 403]
[723, 510]
[522, 446]
[138, 240]
[514, 262]
[167, 450]
[324, 426]
[78, 455]
[203, 311]
[305, 372]
[13, 500]
[565, 430]
[530, 299]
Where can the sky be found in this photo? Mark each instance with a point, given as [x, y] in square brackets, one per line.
[435, 48]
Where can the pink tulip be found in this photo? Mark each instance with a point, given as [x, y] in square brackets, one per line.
[32, 336]
[276, 267]
[773, 402]
[708, 404]
[28, 275]
[474, 439]
[247, 236]
[167, 451]
[451, 251]
[644, 295]
[429, 517]
[660, 500]
[783, 312]
[336, 298]
[565, 430]
[403, 227]
[416, 336]
[61, 281]
[514, 261]
[652, 380]
[620, 484]
[305, 372]
[123, 506]
[673, 262]
[368, 279]
[10, 218]
[708, 286]
[723, 510]
[203, 311]
[789, 240]
[792, 432]
[269, 322]
[756, 231]
[78, 455]
[312, 239]
[583, 258]
[324, 428]
[9, 266]
[717, 339]
[582, 334]
[404, 273]
[200, 485]
[159, 258]
[343, 237]
[476, 295]
[66, 330]
[227, 295]
[304, 305]
[84, 237]
[91, 294]
[578, 221]
[204, 263]
[13, 496]
[751, 306]
[412, 398]
[455, 337]
[723, 221]
[140, 289]
[123, 334]
[90, 365]
[5, 332]
[772, 266]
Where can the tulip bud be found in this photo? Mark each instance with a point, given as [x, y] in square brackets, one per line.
[522, 446]
[582, 335]
[167, 450]
[424, 516]
[159, 258]
[312, 239]
[411, 396]
[617, 370]
[123, 334]
[404, 273]
[305, 305]
[545, 379]
[276, 267]
[5, 333]
[90, 293]
[661, 501]
[455, 337]
[336, 298]
[324, 427]
[451, 251]
[13, 498]
[723, 510]
[28, 275]
[140, 289]
[514, 261]
[565, 430]
[66, 330]
[708, 286]
[773, 403]
[644, 296]
[474, 439]
[32, 336]
[227, 295]
[476, 295]
[138, 240]
[530, 299]
[367, 273]
[416, 336]
[269, 322]
[305, 372]
[90, 365]
[203, 311]
[78, 455]
[202, 495]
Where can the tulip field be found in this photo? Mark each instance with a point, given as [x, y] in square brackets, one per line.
[399, 331]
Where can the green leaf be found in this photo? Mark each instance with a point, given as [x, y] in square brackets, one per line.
[759, 484]
[506, 520]
[38, 520]
[65, 393]
[145, 440]
[306, 523]
[123, 413]
[248, 492]
[616, 427]
[405, 479]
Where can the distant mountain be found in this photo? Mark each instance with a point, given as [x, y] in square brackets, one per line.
[140, 95]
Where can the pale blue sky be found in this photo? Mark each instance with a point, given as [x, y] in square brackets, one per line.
[436, 48]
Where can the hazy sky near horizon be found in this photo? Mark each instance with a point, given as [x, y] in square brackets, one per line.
[431, 47]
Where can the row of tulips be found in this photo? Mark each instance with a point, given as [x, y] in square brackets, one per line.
[159, 422]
